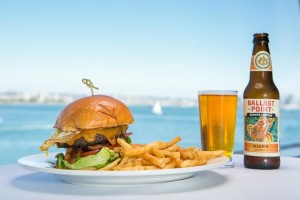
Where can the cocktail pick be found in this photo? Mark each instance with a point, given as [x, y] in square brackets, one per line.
[89, 83]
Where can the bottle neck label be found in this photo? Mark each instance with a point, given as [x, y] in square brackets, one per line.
[261, 127]
[261, 61]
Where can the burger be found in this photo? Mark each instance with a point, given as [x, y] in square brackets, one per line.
[88, 129]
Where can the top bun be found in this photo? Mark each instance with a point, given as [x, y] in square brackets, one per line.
[98, 111]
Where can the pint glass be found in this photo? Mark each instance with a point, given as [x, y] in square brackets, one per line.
[217, 111]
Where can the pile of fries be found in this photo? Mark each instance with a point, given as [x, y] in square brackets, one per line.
[158, 155]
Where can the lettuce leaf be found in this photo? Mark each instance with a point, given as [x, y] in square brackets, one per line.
[99, 160]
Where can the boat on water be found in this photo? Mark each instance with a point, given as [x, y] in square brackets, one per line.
[290, 103]
[157, 109]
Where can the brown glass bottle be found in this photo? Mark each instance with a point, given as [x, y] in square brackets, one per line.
[261, 110]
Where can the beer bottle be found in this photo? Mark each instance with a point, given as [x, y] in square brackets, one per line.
[261, 110]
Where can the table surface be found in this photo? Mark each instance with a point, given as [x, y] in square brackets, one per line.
[221, 183]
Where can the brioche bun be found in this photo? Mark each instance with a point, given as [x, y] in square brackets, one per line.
[98, 111]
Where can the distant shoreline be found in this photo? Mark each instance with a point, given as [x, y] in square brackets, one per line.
[62, 99]
[19, 98]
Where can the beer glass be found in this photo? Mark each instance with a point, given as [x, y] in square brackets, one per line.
[217, 112]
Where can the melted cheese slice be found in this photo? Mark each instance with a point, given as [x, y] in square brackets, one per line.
[69, 137]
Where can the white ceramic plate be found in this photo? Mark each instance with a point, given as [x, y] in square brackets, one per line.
[40, 163]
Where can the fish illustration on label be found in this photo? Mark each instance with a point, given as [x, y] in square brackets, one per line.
[261, 127]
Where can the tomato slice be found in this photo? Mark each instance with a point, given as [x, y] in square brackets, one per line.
[93, 152]
[111, 147]
[88, 153]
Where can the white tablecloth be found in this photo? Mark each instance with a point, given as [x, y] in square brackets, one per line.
[222, 184]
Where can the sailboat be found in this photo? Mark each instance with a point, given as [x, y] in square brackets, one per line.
[156, 109]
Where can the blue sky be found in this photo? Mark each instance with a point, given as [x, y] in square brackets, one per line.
[156, 48]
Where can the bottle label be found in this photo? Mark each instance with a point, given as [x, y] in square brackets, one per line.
[261, 127]
[261, 61]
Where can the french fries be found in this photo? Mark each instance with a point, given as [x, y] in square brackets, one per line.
[159, 155]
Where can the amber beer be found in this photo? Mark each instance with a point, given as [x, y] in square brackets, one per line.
[261, 110]
[217, 111]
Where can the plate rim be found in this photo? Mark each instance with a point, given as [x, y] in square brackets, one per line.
[25, 163]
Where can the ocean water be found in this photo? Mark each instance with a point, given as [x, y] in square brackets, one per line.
[23, 128]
